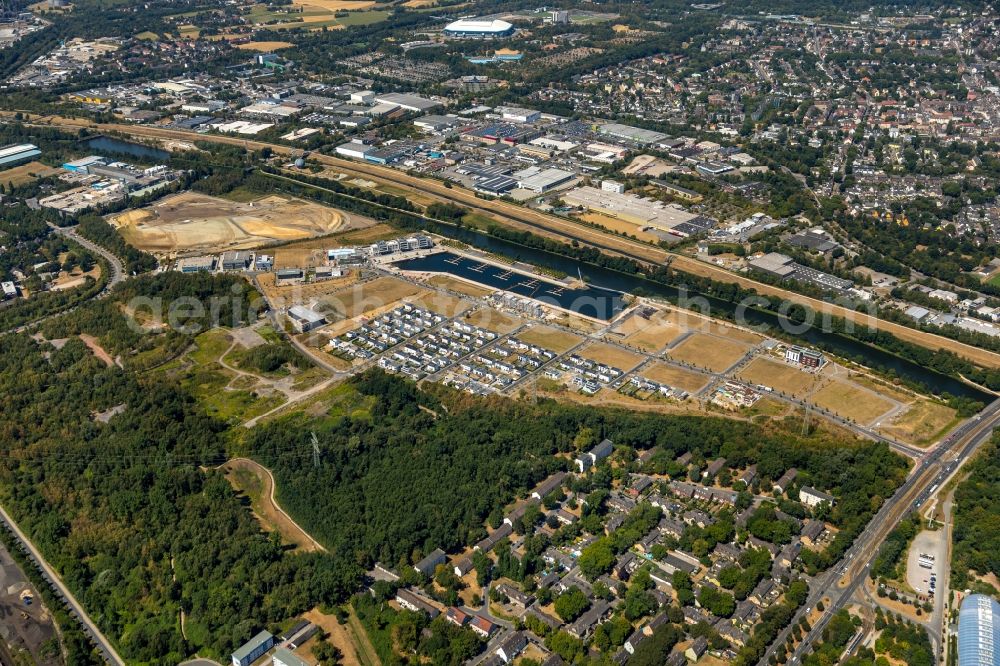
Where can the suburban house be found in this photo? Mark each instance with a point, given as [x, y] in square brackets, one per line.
[512, 646]
[456, 616]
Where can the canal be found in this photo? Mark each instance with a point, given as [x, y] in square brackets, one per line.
[607, 283]
[589, 300]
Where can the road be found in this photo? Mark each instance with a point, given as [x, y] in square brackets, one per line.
[102, 642]
[563, 229]
[117, 270]
[935, 468]
[117, 274]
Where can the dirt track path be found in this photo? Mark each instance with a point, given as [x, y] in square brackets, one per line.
[268, 505]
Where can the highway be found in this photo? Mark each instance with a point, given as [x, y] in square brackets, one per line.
[48, 573]
[932, 471]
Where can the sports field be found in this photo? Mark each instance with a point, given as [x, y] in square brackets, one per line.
[709, 351]
[190, 221]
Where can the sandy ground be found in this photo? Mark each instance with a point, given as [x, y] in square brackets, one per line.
[850, 401]
[377, 295]
[920, 423]
[190, 221]
[651, 334]
[443, 304]
[496, 321]
[97, 349]
[620, 226]
[450, 283]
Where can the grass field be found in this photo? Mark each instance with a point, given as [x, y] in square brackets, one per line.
[550, 338]
[26, 173]
[651, 334]
[708, 351]
[850, 401]
[213, 386]
[611, 355]
[922, 423]
[369, 234]
[619, 226]
[676, 377]
[779, 376]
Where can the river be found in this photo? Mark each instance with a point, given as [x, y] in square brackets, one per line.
[765, 321]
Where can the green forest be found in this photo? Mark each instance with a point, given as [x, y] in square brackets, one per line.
[130, 512]
[976, 531]
[133, 515]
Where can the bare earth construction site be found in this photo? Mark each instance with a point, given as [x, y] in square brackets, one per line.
[193, 222]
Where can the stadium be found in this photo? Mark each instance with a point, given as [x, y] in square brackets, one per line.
[479, 28]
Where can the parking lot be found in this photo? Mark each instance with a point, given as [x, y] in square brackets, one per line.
[930, 543]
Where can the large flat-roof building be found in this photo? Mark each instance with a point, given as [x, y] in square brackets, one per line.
[305, 319]
[633, 134]
[238, 260]
[979, 631]
[408, 102]
[481, 28]
[250, 651]
[784, 267]
[195, 264]
[10, 155]
[637, 210]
